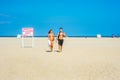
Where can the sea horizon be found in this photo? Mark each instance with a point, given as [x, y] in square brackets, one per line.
[74, 36]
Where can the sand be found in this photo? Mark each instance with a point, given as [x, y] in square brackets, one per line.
[81, 59]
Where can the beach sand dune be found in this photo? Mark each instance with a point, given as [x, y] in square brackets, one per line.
[81, 59]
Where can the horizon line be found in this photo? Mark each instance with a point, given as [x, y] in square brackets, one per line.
[67, 36]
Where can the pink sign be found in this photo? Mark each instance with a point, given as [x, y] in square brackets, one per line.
[27, 32]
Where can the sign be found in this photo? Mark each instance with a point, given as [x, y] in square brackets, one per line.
[27, 32]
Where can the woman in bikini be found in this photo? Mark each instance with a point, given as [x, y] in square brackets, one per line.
[50, 40]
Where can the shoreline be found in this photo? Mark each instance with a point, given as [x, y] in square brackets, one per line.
[66, 37]
[71, 36]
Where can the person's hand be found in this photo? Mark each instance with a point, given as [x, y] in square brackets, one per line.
[56, 40]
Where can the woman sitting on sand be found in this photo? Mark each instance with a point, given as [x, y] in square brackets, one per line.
[50, 40]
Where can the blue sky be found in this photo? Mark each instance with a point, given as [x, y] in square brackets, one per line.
[77, 17]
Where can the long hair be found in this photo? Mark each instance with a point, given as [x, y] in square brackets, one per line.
[49, 31]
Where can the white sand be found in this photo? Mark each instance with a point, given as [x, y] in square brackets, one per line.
[81, 59]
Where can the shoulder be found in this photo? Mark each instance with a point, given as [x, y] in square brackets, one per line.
[49, 34]
[63, 32]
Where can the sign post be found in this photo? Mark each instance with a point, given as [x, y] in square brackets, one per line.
[27, 32]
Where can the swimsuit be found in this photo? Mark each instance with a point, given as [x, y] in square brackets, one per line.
[60, 42]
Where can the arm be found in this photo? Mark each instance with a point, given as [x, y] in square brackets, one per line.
[64, 34]
[48, 37]
[57, 37]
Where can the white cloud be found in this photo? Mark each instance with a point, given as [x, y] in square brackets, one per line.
[4, 15]
[5, 22]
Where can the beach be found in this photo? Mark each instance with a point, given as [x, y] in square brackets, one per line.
[81, 59]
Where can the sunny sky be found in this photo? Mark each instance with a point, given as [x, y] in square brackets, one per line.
[77, 17]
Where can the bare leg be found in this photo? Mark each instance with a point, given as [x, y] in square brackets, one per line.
[60, 48]
[51, 47]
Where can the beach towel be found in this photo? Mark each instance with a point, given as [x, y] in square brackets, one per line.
[49, 43]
